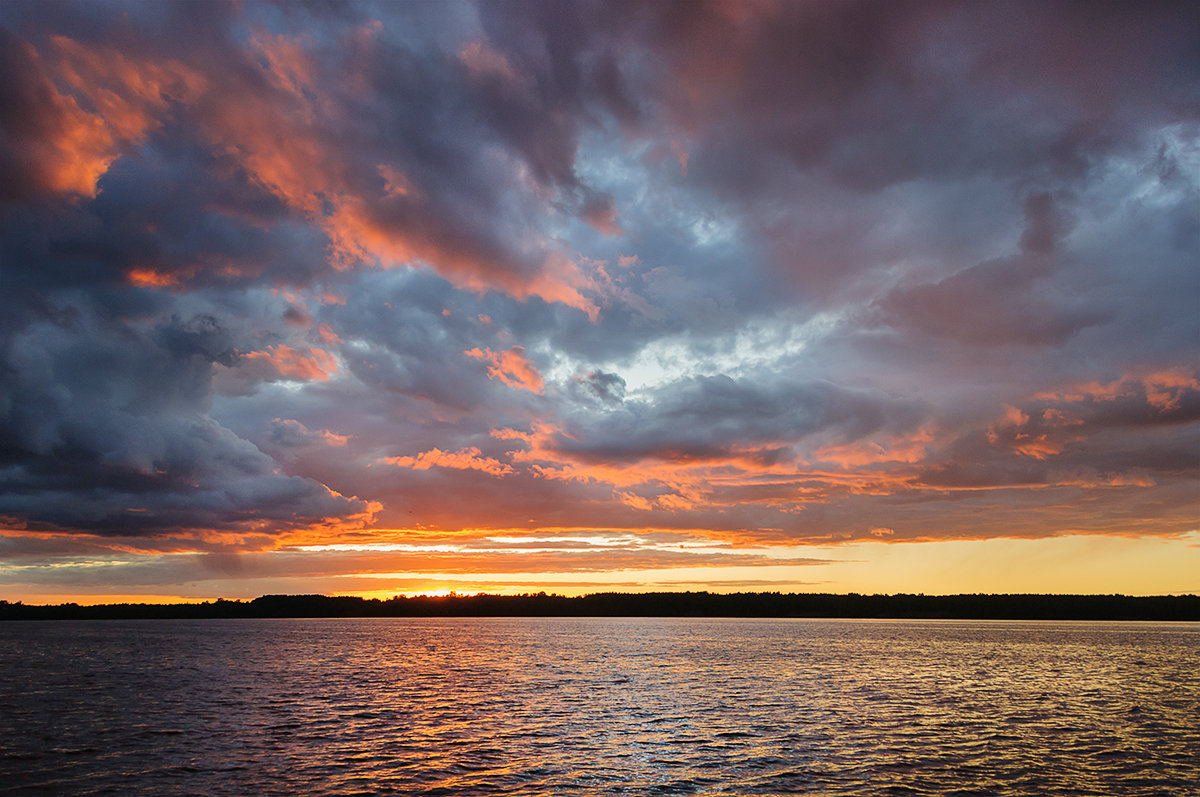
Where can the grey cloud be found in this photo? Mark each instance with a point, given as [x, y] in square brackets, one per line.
[609, 388]
[1001, 301]
[992, 303]
[414, 330]
[288, 433]
[711, 417]
[1120, 439]
[105, 428]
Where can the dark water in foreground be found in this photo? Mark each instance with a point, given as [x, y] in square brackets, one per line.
[599, 706]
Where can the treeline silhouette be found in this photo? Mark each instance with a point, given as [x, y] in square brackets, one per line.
[650, 604]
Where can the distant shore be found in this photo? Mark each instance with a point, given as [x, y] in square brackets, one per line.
[649, 604]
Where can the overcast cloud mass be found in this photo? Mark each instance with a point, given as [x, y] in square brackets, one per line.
[382, 291]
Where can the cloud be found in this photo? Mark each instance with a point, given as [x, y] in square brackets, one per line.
[292, 434]
[609, 388]
[134, 92]
[466, 459]
[712, 417]
[1137, 431]
[106, 429]
[1000, 301]
[511, 367]
[314, 364]
[50, 144]
[760, 272]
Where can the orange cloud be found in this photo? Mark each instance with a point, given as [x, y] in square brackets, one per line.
[288, 64]
[327, 334]
[124, 98]
[88, 103]
[1015, 430]
[358, 233]
[356, 236]
[561, 280]
[633, 499]
[130, 95]
[1039, 447]
[1164, 390]
[672, 501]
[333, 439]
[116, 99]
[737, 479]
[315, 364]
[511, 434]
[464, 459]
[149, 278]
[892, 448]
[64, 147]
[395, 183]
[73, 161]
[510, 367]
[292, 165]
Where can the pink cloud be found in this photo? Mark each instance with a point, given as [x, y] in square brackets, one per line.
[484, 62]
[601, 213]
[333, 439]
[314, 364]
[511, 367]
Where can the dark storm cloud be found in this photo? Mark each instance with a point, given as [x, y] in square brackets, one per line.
[105, 429]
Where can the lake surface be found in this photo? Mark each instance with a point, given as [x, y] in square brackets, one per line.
[589, 706]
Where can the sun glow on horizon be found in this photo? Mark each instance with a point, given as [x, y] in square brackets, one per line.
[1062, 565]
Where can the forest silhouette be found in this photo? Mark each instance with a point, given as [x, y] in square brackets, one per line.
[648, 604]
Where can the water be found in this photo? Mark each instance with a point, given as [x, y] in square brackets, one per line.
[599, 706]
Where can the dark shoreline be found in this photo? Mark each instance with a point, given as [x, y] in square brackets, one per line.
[650, 604]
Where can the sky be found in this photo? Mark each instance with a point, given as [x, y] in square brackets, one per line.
[392, 298]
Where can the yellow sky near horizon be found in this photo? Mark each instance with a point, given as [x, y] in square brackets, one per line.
[1059, 565]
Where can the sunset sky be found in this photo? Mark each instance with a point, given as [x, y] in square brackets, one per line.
[385, 298]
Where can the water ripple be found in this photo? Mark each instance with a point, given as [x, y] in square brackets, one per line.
[599, 707]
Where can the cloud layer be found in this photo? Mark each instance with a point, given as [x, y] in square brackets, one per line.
[756, 274]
